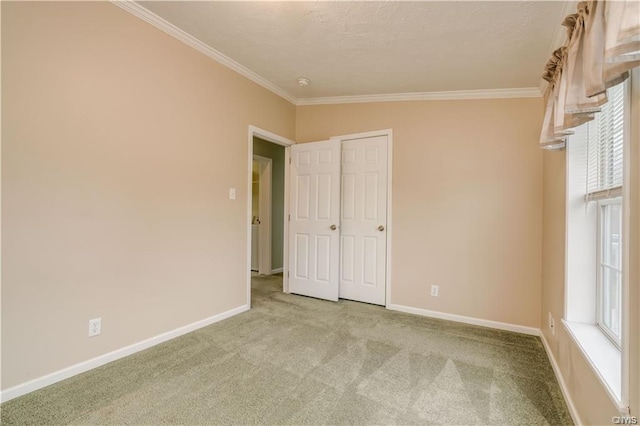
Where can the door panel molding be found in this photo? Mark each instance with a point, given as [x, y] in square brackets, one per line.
[388, 227]
[314, 218]
[365, 168]
[344, 247]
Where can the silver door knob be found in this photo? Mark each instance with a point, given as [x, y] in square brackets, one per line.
[333, 227]
[381, 228]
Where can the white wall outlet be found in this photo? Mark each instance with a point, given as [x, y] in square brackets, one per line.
[435, 290]
[552, 324]
[95, 327]
[232, 193]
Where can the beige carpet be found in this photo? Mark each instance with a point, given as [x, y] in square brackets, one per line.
[297, 360]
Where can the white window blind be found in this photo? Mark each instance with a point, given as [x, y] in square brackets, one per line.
[604, 149]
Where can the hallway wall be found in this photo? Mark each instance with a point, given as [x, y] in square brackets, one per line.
[276, 153]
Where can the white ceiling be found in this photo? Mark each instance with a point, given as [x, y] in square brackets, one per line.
[356, 48]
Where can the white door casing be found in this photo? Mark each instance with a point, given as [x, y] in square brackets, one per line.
[363, 220]
[314, 219]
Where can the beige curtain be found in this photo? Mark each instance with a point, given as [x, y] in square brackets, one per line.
[623, 31]
[573, 103]
[550, 137]
[603, 44]
[611, 49]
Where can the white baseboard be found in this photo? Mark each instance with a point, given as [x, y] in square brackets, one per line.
[84, 366]
[467, 320]
[563, 384]
[277, 270]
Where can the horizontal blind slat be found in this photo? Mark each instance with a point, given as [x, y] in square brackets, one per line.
[605, 147]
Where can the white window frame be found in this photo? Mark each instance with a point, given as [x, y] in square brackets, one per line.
[615, 339]
[603, 193]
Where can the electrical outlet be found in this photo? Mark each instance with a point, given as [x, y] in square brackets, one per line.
[95, 327]
[435, 290]
[552, 324]
[232, 193]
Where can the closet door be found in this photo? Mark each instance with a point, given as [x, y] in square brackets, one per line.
[314, 219]
[363, 220]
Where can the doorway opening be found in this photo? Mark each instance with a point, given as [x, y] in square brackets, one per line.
[262, 221]
[267, 200]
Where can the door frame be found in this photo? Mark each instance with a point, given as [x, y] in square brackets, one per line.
[264, 213]
[389, 134]
[265, 135]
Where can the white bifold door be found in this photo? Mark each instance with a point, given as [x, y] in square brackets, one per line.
[314, 217]
[338, 219]
[363, 220]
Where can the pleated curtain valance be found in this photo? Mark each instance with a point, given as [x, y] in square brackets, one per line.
[603, 44]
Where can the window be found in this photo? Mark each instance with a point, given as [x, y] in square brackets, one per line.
[596, 241]
[605, 142]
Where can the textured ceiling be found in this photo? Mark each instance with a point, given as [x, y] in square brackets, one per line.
[353, 48]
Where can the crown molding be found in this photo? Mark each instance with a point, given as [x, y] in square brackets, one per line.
[146, 15]
[525, 92]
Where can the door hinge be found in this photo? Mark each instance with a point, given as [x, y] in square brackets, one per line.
[289, 160]
[287, 274]
[289, 218]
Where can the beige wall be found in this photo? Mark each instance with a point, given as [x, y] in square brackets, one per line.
[467, 200]
[591, 400]
[119, 145]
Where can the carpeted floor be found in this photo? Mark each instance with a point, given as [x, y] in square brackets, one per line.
[297, 360]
